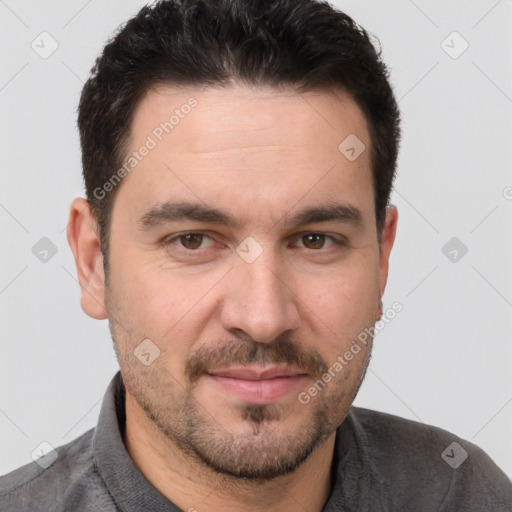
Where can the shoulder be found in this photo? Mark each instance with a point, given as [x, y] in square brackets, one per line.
[389, 431]
[51, 482]
[428, 465]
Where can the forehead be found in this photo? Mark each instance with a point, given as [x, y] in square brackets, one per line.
[243, 145]
[204, 119]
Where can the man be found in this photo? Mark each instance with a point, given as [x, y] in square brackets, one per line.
[238, 158]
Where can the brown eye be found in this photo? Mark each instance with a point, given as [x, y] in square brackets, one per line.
[314, 241]
[191, 240]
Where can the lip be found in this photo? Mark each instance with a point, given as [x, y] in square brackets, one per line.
[256, 372]
[258, 384]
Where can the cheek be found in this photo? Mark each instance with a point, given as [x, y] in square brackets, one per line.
[340, 311]
[166, 305]
[343, 297]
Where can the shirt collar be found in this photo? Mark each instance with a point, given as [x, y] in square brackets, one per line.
[124, 481]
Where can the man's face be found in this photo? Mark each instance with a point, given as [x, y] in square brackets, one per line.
[247, 314]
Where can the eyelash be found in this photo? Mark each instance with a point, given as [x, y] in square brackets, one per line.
[340, 242]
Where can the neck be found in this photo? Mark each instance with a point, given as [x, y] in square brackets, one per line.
[193, 487]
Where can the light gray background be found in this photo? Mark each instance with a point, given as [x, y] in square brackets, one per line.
[444, 360]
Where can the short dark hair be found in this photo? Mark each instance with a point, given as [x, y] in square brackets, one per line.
[306, 44]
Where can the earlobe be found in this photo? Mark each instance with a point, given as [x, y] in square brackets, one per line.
[386, 244]
[379, 311]
[84, 242]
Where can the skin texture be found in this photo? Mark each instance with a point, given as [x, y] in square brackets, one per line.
[260, 154]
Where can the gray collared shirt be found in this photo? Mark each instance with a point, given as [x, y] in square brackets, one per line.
[381, 463]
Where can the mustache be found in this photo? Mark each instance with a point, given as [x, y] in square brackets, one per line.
[245, 351]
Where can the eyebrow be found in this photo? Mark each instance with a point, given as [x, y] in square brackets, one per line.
[182, 210]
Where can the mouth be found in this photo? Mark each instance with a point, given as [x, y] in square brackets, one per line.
[258, 384]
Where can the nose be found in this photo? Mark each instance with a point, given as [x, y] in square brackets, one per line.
[260, 300]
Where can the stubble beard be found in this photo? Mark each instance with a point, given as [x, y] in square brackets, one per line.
[263, 449]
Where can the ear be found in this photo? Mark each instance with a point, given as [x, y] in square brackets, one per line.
[84, 242]
[386, 244]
